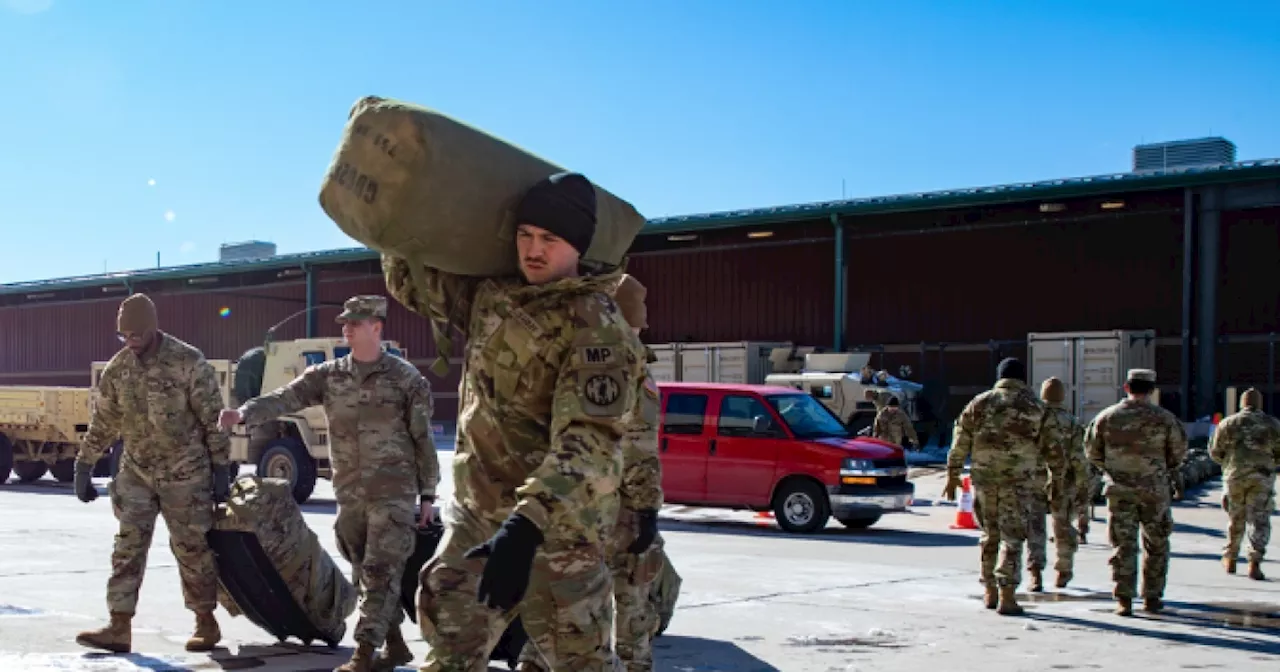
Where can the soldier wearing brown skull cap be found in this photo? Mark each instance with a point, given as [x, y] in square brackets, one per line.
[162, 398]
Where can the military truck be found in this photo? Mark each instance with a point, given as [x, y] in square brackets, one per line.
[40, 431]
[839, 381]
[41, 427]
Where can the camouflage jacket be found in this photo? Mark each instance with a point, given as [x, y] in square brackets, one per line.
[1137, 444]
[549, 372]
[1247, 445]
[892, 425]
[380, 443]
[1068, 467]
[164, 406]
[641, 466]
[1002, 429]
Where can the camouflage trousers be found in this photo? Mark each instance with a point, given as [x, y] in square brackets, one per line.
[635, 616]
[376, 537]
[1137, 512]
[1037, 535]
[1062, 508]
[1003, 512]
[187, 506]
[565, 611]
[1249, 504]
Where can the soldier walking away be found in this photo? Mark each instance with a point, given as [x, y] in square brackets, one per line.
[892, 425]
[1247, 445]
[550, 369]
[1002, 431]
[162, 398]
[385, 468]
[1138, 445]
[635, 550]
[1069, 474]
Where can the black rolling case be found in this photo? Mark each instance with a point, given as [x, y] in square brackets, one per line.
[513, 638]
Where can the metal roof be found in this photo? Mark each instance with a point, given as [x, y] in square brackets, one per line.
[971, 197]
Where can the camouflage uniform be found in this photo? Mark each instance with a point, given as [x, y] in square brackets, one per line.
[165, 408]
[892, 424]
[383, 458]
[1247, 445]
[1001, 429]
[1137, 445]
[549, 371]
[1068, 475]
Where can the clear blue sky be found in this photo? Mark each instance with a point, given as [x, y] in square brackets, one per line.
[234, 107]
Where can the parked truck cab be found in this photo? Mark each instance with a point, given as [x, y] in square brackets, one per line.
[762, 448]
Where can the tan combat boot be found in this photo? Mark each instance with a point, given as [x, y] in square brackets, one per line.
[1124, 606]
[1229, 563]
[207, 634]
[361, 660]
[395, 651]
[1063, 579]
[1037, 582]
[992, 597]
[1255, 570]
[1008, 604]
[1152, 605]
[116, 637]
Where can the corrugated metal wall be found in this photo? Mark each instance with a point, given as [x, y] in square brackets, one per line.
[781, 293]
[1001, 284]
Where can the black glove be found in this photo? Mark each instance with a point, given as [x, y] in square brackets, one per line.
[510, 560]
[84, 483]
[647, 524]
[221, 482]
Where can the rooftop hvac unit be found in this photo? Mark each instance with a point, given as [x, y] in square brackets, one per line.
[246, 251]
[1184, 154]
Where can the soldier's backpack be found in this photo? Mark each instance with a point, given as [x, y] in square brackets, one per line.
[272, 568]
[413, 183]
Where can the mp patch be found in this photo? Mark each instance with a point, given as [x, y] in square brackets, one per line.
[598, 355]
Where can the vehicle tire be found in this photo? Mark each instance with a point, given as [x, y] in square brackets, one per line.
[801, 506]
[30, 471]
[104, 467]
[860, 522]
[287, 458]
[64, 470]
[6, 458]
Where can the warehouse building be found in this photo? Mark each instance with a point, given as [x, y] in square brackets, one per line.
[945, 282]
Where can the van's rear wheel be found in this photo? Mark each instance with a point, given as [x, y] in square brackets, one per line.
[801, 506]
[860, 522]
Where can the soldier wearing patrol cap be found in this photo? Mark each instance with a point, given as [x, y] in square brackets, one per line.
[385, 467]
[1139, 445]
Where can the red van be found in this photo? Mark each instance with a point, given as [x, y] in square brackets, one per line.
[761, 448]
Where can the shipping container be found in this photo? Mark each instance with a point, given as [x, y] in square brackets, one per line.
[1092, 365]
[739, 362]
[667, 366]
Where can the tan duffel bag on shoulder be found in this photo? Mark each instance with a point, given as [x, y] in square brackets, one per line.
[414, 183]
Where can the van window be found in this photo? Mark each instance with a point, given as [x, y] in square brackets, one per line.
[737, 415]
[313, 357]
[686, 413]
[822, 391]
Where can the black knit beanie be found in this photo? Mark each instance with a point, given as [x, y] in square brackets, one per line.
[1011, 368]
[564, 204]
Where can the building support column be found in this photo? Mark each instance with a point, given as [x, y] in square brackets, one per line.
[1210, 224]
[313, 296]
[838, 341]
[1188, 289]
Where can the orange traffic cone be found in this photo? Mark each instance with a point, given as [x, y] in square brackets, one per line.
[964, 515]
